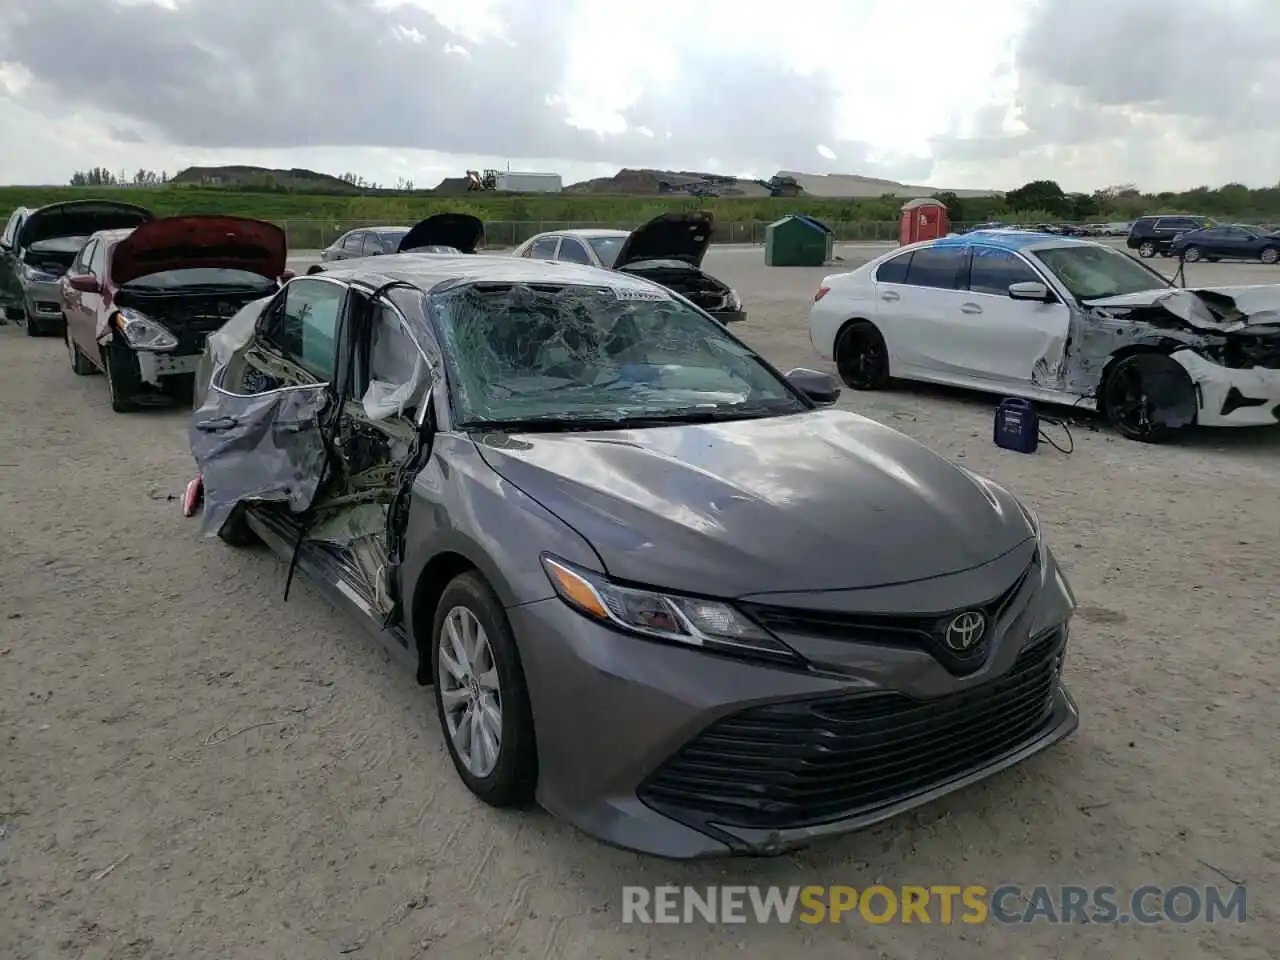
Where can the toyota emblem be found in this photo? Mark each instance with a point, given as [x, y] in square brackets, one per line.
[965, 631]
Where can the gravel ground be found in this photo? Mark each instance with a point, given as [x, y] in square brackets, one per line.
[192, 768]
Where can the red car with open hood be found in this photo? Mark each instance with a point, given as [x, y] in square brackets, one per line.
[139, 303]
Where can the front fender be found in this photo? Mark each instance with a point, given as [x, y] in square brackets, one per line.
[462, 507]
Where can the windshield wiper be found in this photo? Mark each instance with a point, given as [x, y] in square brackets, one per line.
[562, 424]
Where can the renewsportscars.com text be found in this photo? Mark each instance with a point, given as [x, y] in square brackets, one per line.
[940, 904]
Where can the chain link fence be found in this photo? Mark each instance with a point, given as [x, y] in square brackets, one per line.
[318, 234]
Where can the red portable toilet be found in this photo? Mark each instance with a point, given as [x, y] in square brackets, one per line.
[923, 219]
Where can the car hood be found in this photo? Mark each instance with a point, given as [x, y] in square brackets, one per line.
[461, 231]
[79, 218]
[1207, 309]
[669, 236]
[181, 243]
[825, 500]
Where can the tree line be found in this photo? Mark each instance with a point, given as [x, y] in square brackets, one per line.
[102, 177]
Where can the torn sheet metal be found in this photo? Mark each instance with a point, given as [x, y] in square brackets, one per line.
[1227, 328]
[223, 343]
[265, 447]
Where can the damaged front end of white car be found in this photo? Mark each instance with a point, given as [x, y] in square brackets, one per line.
[1160, 361]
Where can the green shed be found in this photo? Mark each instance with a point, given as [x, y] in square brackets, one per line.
[797, 241]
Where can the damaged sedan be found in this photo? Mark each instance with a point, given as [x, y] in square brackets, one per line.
[438, 233]
[1057, 320]
[43, 244]
[669, 250]
[623, 550]
[139, 304]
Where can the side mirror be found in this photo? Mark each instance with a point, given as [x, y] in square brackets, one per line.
[85, 283]
[819, 387]
[1030, 291]
[286, 276]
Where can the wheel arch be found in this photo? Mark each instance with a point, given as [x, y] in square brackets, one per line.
[840, 331]
[1165, 347]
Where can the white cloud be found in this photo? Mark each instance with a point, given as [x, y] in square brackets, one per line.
[917, 90]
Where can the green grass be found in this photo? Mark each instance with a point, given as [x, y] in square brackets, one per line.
[314, 220]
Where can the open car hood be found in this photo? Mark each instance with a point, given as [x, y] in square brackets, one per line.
[669, 236]
[1207, 309]
[461, 231]
[181, 243]
[79, 218]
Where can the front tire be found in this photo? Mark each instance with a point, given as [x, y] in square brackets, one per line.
[236, 532]
[861, 357]
[80, 365]
[1191, 254]
[1148, 397]
[480, 693]
[123, 379]
[1147, 250]
[1270, 255]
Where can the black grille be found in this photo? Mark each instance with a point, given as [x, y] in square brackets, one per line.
[805, 762]
[914, 632]
[194, 331]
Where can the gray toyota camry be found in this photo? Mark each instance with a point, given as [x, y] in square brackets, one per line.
[655, 584]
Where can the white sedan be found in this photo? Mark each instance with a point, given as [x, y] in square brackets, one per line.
[1058, 320]
[668, 250]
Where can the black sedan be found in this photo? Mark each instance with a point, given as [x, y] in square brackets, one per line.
[1227, 242]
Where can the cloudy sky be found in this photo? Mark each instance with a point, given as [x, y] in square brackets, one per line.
[987, 94]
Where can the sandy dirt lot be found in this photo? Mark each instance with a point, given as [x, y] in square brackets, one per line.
[191, 768]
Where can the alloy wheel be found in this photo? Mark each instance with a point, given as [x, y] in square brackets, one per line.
[470, 691]
[1270, 255]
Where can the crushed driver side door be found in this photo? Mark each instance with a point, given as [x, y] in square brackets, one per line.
[259, 436]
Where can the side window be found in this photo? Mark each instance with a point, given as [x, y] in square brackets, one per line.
[372, 245]
[98, 260]
[895, 270]
[937, 267]
[353, 244]
[305, 328]
[544, 249]
[80, 264]
[573, 252]
[993, 271]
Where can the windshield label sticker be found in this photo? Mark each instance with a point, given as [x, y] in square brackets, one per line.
[632, 293]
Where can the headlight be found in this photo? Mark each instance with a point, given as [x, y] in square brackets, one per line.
[732, 301]
[32, 275]
[691, 621]
[143, 333]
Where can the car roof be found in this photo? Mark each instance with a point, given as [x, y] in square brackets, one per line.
[586, 233]
[1013, 241]
[426, 270]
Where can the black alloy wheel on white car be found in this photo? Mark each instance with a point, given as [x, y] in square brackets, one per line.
[1135, 387]
[861, 357]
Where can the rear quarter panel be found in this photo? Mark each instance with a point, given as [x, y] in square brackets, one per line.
[851, 296]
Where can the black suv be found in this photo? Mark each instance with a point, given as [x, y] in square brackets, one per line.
[1152, 235]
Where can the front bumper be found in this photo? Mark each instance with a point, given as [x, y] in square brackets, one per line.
[628, 733]
[1232, 398]
[729, 316]
[154, 367]
[42, 302]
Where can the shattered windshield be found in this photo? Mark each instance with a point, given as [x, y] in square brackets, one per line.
[1090, 272]
[527, 354]
[607, 248]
